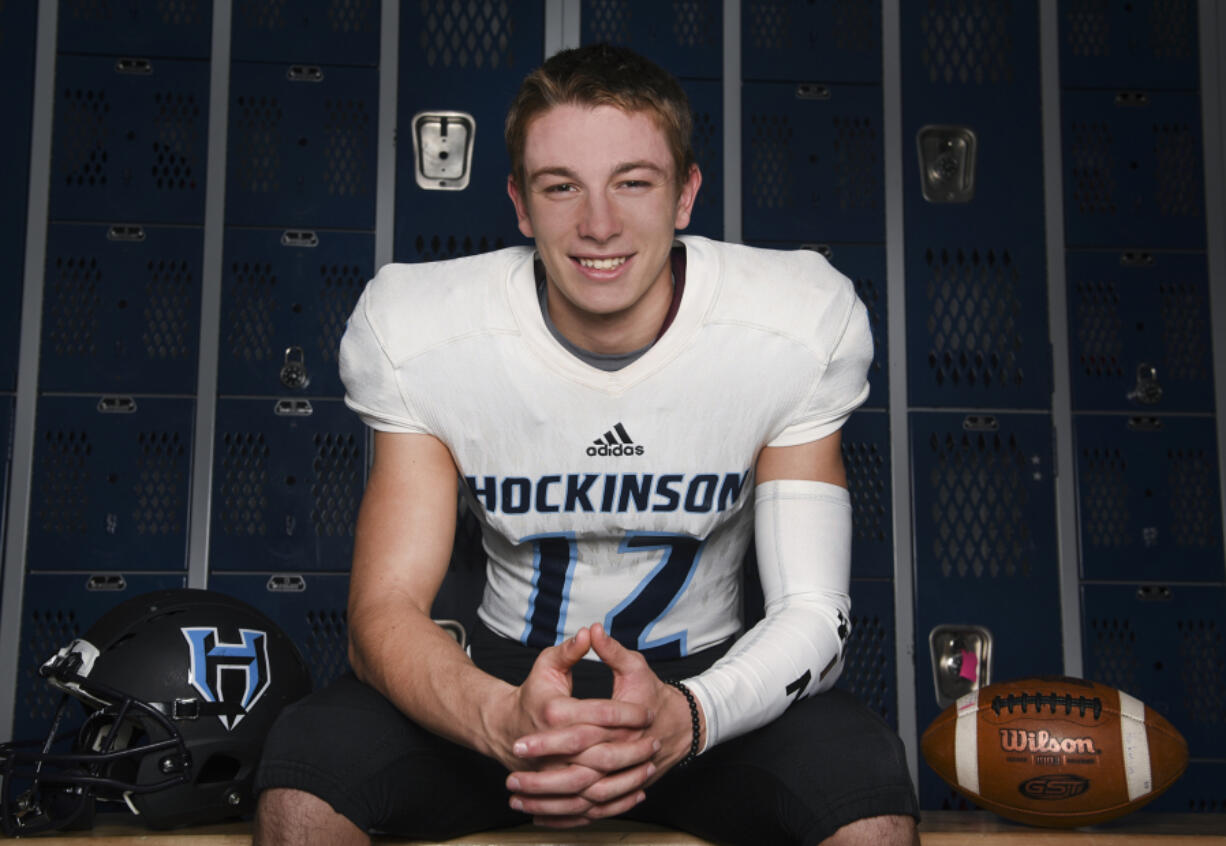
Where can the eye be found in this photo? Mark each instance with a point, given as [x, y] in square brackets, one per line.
[560, 188]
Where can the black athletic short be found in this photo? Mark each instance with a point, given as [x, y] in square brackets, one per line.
[827, 761]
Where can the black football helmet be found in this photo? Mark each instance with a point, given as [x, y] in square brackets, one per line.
[180, 688]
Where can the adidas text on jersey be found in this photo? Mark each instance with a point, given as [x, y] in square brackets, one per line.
[616, 441]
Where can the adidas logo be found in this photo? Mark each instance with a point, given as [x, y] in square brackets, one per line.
[616, 441]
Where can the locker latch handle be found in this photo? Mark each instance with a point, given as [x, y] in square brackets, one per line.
[116, 405]
[443, 150]
[285, 583]
[947, 157]
[293, 408]
[961, 660]
[106, 581]
[1147, 390]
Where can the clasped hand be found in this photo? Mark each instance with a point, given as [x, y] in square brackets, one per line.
[587, 759]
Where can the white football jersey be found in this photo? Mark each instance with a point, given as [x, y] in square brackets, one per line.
[620, 497]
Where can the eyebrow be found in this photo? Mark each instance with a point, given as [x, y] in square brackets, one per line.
[624, 167]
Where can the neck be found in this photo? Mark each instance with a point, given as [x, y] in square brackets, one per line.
[618, 332]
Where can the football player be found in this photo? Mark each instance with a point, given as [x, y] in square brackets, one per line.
[622, 410]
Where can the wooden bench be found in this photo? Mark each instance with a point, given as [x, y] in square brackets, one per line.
[939, 828]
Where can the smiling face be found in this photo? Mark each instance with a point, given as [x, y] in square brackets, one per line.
[602, 201]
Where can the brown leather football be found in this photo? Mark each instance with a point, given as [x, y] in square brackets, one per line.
[1055, 751]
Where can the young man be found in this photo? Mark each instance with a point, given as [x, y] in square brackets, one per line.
[622, 411]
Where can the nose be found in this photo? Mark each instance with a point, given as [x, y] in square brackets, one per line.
[599, 220]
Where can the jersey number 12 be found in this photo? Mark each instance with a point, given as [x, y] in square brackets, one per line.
[630, 622]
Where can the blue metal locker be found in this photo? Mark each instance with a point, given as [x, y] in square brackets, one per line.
[869, 668]
[1133, 169]
[985, 547]
[146, 28]
[1137, 44]
[302, 146]
[815, 41]
[1149, 507]
[111, 482]
[977, 324]
[58, 608]
[129, 140]
[315, 32]
[288, 476]
[286, 295]
[684, 36]
[1139, 331]
[121, 309]
[866, 457]
[814, 170]
[310, 608]
[18, 24]
[470, 59]
[973, 198]
[707, 104]
[1164, 645]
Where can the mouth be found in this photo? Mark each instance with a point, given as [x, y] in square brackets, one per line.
[610, 263]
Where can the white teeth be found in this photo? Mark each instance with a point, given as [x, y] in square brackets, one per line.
[603, 264]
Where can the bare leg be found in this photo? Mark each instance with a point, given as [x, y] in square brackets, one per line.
[876, 831]
[286, 816]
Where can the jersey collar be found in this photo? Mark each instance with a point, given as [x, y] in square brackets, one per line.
[703, 278]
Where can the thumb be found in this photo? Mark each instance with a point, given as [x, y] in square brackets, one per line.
[568, 653]
[618, 658]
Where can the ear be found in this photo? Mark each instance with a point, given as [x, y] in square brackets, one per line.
[689, 193]
[521, 206]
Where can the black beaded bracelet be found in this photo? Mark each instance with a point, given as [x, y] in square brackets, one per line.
[689, 699]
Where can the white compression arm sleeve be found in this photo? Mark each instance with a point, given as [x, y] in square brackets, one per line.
[803, 541]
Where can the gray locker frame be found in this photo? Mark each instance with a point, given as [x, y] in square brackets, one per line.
[210, 301]
[1212, 35]
[896, 159]
[562, 29]
[1057, 286]
[26, 398]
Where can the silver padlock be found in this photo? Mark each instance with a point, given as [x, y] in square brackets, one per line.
[294, 373]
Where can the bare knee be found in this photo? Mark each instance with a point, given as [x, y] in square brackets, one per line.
[876, 831]
[285, 816]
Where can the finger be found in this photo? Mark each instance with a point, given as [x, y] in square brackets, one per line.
[571, 740]
[577, 774]
[613, 757]
[551, 806]
[616, 785]
[564, 781]
[596, 812]
[561, 808]
[599, 798]
[610, 713]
